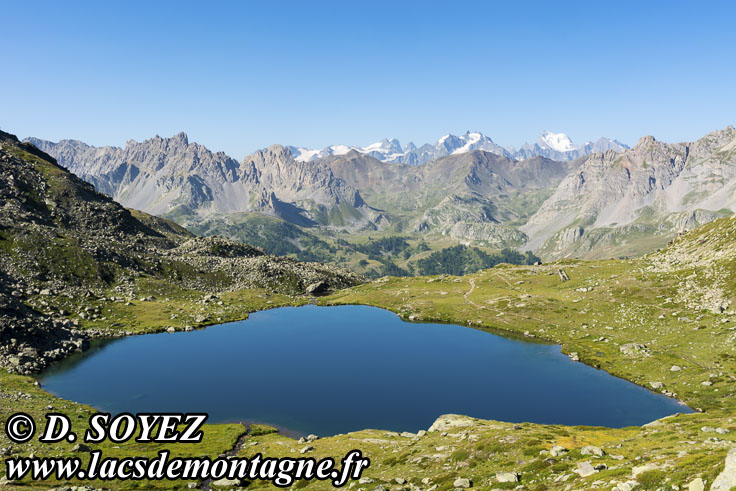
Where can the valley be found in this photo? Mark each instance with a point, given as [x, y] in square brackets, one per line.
[609, 201]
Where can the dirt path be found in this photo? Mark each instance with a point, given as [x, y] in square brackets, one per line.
[504, 279]
[467, 294]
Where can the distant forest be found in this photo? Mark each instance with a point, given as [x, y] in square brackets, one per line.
[460, 260]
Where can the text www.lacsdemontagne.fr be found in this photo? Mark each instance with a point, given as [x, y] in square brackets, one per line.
[281, 472]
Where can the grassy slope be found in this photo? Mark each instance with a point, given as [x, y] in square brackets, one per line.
[657, 301]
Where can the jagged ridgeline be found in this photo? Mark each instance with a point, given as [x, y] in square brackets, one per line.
[303, 208]
[612, 202]
[61, 239]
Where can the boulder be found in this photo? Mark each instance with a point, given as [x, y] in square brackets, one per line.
[634, 349]
[585, 469]
[591, 450]
[462, 482]
[450, 421]
[726, 479]
[508, 477]
[226, 483]
[317, 288]
[696, 484]
[557, 450]
[625, 486]
[643, 468]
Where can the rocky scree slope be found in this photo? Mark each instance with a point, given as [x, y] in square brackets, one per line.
[61, 239]
[644, 195]
[709, 252]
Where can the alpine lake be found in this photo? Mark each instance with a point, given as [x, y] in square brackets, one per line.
[330, 370]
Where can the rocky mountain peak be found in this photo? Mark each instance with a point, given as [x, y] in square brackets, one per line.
[272, 154]
[181, 137]
[644, 141]
[558, 142]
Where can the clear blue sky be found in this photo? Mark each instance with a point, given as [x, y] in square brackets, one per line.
[237, 76]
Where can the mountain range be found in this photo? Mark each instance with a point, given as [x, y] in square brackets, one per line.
[612, 201]
[172, 175]
[556, 146]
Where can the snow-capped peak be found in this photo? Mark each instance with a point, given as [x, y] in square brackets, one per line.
[303, 154]
[387, 145]
[557, 146]
[559, 142]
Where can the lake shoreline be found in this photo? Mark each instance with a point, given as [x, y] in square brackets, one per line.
[475, 329]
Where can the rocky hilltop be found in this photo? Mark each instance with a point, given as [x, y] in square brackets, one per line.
[62, 242]
[173, 176]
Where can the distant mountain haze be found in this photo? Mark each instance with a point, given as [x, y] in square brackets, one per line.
[556, 146]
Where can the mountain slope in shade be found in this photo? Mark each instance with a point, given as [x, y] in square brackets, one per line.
[172, 175]
[652, 190]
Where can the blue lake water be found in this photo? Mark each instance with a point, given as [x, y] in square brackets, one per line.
[328, 370]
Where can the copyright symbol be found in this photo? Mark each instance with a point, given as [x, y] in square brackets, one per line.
[20, 428]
